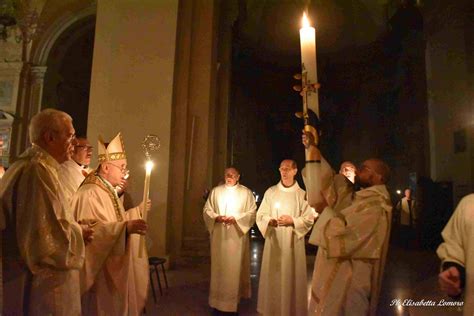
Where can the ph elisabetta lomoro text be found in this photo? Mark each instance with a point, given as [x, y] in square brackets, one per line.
[409, 302]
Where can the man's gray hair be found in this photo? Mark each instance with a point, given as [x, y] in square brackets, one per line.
[48, 120]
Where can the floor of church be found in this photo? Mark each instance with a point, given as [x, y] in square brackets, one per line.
[409, 275]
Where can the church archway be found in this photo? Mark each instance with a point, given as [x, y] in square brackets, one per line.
[67, 78]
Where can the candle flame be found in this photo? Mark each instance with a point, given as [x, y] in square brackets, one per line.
[149, 165]
[277, 205]
[305, 20]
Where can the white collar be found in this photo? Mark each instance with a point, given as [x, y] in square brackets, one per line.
[293, 188]
[234, 187]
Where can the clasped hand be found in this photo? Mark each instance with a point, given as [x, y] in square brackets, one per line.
[227, 220]
[283, 220]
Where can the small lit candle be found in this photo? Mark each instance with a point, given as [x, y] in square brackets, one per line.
[230, 205]
[146, 186]
[225, 210]
[277, 208]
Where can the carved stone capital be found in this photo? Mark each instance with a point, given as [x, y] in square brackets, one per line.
[37, 73]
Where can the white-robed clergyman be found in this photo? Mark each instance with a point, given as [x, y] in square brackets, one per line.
[75, 170]
[457, 254]
[114, 280]
[229, 213]
[43, 247]
[284, 218]
[352, 236]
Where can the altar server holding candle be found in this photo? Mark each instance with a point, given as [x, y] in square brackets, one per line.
[114, 280]
[284, 218]
[229, 213]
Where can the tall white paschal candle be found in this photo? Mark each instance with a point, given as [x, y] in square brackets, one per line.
[146, 194]
[309, 64]
[308, 60]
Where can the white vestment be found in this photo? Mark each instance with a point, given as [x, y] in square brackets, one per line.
[408, 214]
[458, 246]
[43, 248]
[71, 176]
[352, 237]
[230, 253]
[114, 281]
[283, 283]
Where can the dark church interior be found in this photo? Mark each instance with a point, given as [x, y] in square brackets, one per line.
[395, 84]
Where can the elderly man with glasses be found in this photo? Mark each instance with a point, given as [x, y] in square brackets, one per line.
[114, 280]
[43, 247]
[75, 170]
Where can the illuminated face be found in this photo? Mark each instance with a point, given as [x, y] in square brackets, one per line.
[116, 171]
[408, 193]
[348, 170]
[82, 151]
[287, 171]
[231, 176]
[61, 142]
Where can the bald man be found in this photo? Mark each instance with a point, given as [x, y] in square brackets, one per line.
[284, 218]
[352, 241]
[229, 213]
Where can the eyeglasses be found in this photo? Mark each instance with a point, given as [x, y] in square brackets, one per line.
[84, 147]
[124, 170]
[283, 169]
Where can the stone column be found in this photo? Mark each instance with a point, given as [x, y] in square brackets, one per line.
[36, 89]
[30, 102]
[131, 92]
[20, 125]
[10, 74]
[228, 12]
[196, 135]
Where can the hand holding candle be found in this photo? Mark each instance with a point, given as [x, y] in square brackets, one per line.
[150, 143]
[285, 220]
[229, 210]
[309, 78]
